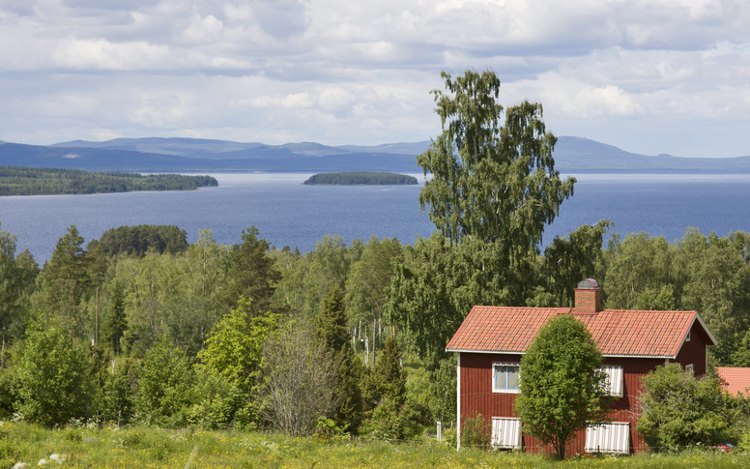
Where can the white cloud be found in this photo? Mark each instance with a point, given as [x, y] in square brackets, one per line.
[360, 71]
[206, 28]
[103, 54]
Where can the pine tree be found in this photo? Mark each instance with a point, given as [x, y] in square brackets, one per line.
[64, 281]
[252, 274]
[116, 325]
[388, 377]
[332, 332]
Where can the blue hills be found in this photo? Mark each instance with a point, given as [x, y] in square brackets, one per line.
[154, 154]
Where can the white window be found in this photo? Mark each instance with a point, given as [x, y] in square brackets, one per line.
[505, 377]
[613, 382]
[506, 433]
[608, 438]
[690, 368]
[687, 339]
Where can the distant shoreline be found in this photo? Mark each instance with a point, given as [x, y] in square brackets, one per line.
[38, 181]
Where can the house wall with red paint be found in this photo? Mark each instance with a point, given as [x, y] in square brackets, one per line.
[478, 398]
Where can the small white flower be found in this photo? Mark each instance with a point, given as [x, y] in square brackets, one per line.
[20, 465]
[42, 462]
[58, 458]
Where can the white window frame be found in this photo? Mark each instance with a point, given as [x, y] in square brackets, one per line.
[614, 387]
[495, 388]
[687, 337]
[611, 445]
[508, 442]
[690, 368]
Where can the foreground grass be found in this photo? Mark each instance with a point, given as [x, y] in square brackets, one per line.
[153, 447]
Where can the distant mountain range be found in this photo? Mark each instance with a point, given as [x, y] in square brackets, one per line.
[572, 154]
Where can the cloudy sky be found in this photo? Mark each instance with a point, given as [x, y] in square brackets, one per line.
[649, 76]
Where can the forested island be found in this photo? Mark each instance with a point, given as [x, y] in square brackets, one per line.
[361, 178]
[37, 181]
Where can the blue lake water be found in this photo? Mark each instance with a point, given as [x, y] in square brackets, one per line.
[289, 213]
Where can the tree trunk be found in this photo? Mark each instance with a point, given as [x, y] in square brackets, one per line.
[560, 447]
[96, 318]
[374, 328]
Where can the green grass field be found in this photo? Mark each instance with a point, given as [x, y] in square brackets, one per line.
[153, 447]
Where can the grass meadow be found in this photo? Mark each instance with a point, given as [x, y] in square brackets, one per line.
[157, 448]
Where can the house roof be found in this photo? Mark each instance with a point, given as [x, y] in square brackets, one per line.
[734, 380]
[503, 329]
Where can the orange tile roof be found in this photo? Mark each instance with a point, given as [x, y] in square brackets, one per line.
[616, 332]
[734, 380]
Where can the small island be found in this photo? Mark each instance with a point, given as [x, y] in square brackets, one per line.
[37, 181]
[361, 178]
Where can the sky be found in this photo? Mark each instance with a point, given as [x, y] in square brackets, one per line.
[649, 76]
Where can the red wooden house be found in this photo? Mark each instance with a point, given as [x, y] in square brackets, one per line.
[492, 339]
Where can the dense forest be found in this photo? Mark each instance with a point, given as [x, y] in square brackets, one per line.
[208, 334]
[28, 181]
[139, 326]
[364, 178]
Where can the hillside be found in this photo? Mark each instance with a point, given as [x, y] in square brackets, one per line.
[572, 154]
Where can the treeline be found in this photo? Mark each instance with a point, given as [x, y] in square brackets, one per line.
[364, 178]
[248, 335]
[32, 181]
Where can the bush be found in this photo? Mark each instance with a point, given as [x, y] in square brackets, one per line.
[394, 422]
[435, 392]
[300, 380]
[8, 390]
[475, 433]
[743, 444]
[7, 450]
[217, 400]
[164, 386]
[327, 430]
[55, 383]
[679, 410]
[118, 393]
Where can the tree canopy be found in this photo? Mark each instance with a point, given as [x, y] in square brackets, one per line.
[492, 182]
[137, 240]
[561, 387]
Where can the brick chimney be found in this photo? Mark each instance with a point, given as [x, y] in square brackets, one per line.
[588, 297]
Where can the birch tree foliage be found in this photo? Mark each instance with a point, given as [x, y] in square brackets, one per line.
[492, 182]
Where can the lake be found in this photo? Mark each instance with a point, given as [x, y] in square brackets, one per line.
[288, 213]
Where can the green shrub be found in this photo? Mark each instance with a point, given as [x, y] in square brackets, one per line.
[327, 430]
[743, 444]
[7, 450]
[117, 394]
[475, 433]
[217, 400]
[54, 377]
[8, 391]
[164, 386]
[681, 411]
[389, 421]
